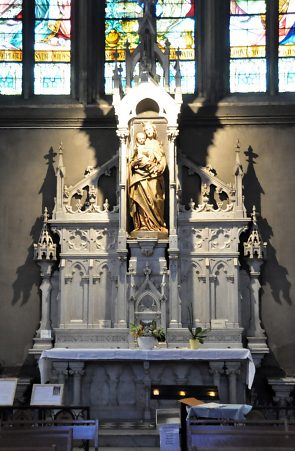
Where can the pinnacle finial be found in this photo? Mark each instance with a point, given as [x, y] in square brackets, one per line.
[238, 149]
[45, 215]
[254, 215]
[254, 247]
[60, 156]
[45, 249]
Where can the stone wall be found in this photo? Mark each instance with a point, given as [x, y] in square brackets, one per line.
[29, 138]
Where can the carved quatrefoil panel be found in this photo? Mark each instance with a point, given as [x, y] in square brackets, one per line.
[192, 238]
[105, 240]
[199, 238]
[220, 239]
[78, 240]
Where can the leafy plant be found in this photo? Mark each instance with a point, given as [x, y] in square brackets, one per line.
[149, 329]
[197, 333]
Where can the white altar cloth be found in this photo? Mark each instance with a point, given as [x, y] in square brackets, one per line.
[143, 355]
[224, 411]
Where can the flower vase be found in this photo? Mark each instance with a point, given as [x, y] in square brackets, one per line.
[146, 342]
[194, 343]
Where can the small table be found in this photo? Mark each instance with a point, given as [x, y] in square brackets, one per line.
[219, 411]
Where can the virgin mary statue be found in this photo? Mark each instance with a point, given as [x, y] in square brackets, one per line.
[146, 182]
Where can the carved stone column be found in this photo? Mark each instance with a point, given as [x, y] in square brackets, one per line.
[232, 370]
[121, 322]
[45, 287]
[121, 303]
[217, 370]
[172, 133]
[45, 256]
[174, 301]
[283, 387]
[255, 329]
[254, 250]
[61, 371]
[77, 370]
[113, 372]
[212, 280]
[123, 134]
[147, 390]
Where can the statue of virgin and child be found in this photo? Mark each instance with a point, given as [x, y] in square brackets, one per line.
[146, 190]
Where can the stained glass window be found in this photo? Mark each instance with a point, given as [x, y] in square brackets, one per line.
[11, 45]
[52, 70]
[287, 45]
[247, 46]
[175, 23]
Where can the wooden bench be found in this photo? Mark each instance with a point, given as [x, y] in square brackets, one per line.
[249, 448]
[82, 429]
[38, 438]
[245, 438]
[31, 448]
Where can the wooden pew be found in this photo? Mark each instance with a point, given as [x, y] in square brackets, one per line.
[240, 439]
[246, 448]
[31, 448]
[38, 438]
[82, 429]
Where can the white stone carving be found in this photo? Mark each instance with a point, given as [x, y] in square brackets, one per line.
[108, 278]
[78, 240]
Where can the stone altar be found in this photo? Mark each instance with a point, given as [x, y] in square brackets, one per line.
[109, 276]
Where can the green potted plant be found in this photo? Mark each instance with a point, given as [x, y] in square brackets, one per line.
[147, 333]
[197, 334]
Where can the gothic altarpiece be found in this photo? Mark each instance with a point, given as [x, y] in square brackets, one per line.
[114, 272]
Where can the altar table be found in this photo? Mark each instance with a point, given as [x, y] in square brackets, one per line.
[115, 383]
[167, 354]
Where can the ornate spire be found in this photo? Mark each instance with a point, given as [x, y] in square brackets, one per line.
[45, 249]
[238, 172]
[254, 247]
[60, 164]
[60, 175]
[238, 166]
[147, 53]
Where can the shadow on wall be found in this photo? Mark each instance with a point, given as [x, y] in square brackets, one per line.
[196, 135]
[273, 273]
[28, 273]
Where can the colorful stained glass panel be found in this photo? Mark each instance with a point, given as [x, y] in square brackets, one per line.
[172, 8]
[248, 75]
[175, 23]
[52, 78]
[287, 45]
[180, 34]
[123, 9]
[52, 46]
[11, 47]
[248, 46]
